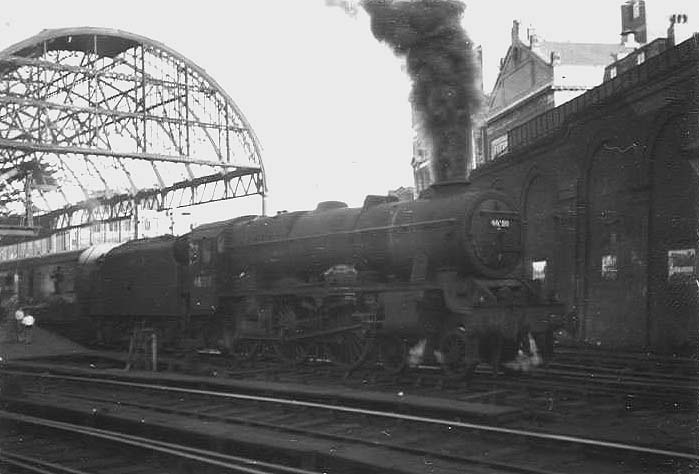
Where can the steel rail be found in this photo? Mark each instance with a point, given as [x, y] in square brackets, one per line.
[537, 435]
[36, 465]
[472, 460]
[227, 461]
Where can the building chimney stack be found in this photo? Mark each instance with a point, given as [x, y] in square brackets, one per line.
[633, 20]
[679, 29]
[555, 58]
[515, 31]
[533, 38]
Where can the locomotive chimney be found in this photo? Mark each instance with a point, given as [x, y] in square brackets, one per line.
[451, 156]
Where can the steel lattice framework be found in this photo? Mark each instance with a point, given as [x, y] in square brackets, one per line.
[124, 121]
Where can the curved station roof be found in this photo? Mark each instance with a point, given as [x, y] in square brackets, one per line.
[117, 118]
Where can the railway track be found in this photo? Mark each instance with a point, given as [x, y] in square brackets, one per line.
[623, 370]
[646, 362]
[632, 389]
[660, 375]
[552, 388]
[601, 373]
[388, 440]
[33, 444]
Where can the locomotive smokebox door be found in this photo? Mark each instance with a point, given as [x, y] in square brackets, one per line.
[495, 238]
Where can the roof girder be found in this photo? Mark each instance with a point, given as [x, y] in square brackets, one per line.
[58, 105]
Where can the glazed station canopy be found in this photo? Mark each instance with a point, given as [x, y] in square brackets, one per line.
[119, 119]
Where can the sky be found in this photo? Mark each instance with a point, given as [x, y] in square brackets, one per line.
[328, 102]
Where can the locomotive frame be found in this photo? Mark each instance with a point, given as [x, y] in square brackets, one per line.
[435, 280]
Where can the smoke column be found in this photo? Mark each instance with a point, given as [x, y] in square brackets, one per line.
[443, 70]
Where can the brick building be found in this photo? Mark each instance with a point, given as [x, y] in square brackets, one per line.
[538, 75]
[608, 185]
[678, 31]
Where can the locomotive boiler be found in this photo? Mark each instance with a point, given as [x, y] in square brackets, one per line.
[435, 279]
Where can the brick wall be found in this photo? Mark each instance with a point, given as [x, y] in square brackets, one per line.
[621, 195]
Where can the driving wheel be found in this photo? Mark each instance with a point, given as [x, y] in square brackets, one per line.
[294, 352]
[459, 351]
[349, 349]
[392, 353]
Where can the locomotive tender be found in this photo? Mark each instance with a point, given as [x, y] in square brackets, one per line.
[430, 280]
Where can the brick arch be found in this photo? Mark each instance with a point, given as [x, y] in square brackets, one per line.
[673, 214]
[497, 184]
[603, 141]
[532, 172]
[614, 199]
[538, 204]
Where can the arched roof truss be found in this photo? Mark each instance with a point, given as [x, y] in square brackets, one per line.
[118, 116]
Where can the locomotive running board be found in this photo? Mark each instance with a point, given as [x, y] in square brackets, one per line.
[329, 332]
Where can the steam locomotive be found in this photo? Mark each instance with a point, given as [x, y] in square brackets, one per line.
[434, 280]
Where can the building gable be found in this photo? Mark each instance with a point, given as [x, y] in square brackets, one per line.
[522, 73]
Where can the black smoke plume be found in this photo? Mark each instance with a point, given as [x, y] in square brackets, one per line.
[443, 69]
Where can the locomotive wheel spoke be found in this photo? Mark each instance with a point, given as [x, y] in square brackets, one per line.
[291, 351]
[349, 350]
[460, 354]
[392, 352]
[245, 351]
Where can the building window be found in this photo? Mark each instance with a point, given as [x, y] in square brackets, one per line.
[203, 281]
[681, 264]
[498, 146]
[636, 9]
[609, 267]
[640, 57]
[193, 252]
[539, 270]
[612, 72]
[423, 178]
[206, 251]
[478, 157]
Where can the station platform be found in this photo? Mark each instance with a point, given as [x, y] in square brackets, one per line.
[44, 344]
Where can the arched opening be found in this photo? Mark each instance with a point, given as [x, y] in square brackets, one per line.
[615, 264]
[673, 235]
[540, 243]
